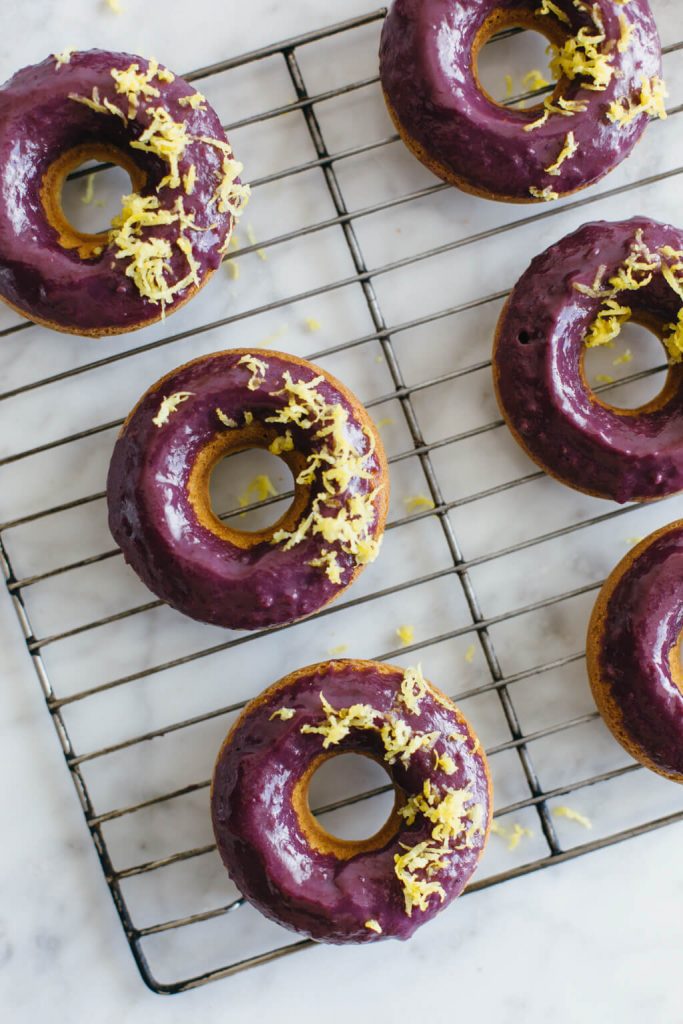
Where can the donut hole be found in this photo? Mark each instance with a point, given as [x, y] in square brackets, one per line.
[90, 201]
[513, 69]
[256, 481]
[632, 373]
[337, 783]
[79, 207]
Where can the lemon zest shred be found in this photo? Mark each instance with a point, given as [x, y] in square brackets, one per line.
[625, 357]
[604, 378]
[251, 238]
[114, 6]
[189, 180]
[513, 835]
[415, 501]
[669, 275]
[546, 194]
[258, 369]
[563, 107]
[230, 196]
[338, 723]
[64, 57]
[469, 654]
[508, 86]
[170, 405]
[258, 489]
[374, 926]
[195, 102]
[401, 742]
[674, 340]
[607, 324]
[312, 324]
[413, 690]
[534, 80]
[596, 290]
[167, 139]
[417, 891]
[233, 269]
[626, 33]
[94, 102]
[406, 634]
[548, 7]
[225, 420]
[133, 83]
[650, 101]
[566, 153]
[248, 418]
[571, 815]
[339, 649]
[329, 561]
[580, 57]
[283, 443]
[284, 714]
[89, 190]
[444, 763]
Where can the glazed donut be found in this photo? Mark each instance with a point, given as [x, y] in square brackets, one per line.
[633, 652]
[158, 488]
[340, 891]
[578, 293]
[174, 226]
[607, 62]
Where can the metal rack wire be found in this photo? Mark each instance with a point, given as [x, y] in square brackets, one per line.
[519, 741]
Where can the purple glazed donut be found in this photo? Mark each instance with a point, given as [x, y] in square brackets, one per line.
[172, 229]
[158, 488]
[633, 652]
[607, 62]
[578, 293]
[303, 877]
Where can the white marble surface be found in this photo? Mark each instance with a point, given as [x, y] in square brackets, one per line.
[598, 938]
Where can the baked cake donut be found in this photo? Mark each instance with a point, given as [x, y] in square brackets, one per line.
[343, 891]
[607, 63]
[633, 652]
[172, 229]
[578, 294]
[158, 488]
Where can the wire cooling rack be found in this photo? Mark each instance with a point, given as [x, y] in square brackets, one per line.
[497, 579]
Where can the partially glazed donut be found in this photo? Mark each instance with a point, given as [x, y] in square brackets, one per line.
[174, 226]
[577, 293]
[158, 488]
[343, 891]
[607, 61]
[633, 652]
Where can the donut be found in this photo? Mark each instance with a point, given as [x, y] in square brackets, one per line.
[633, 653]
[578, 294]
[607, 63]
[174, 226]
[348, 891]
[158, 488]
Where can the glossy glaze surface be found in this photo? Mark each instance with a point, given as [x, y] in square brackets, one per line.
[154, 520]
[38, 124]
[639, 630]
[429, 80]
[259, 833]
[624, 455]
